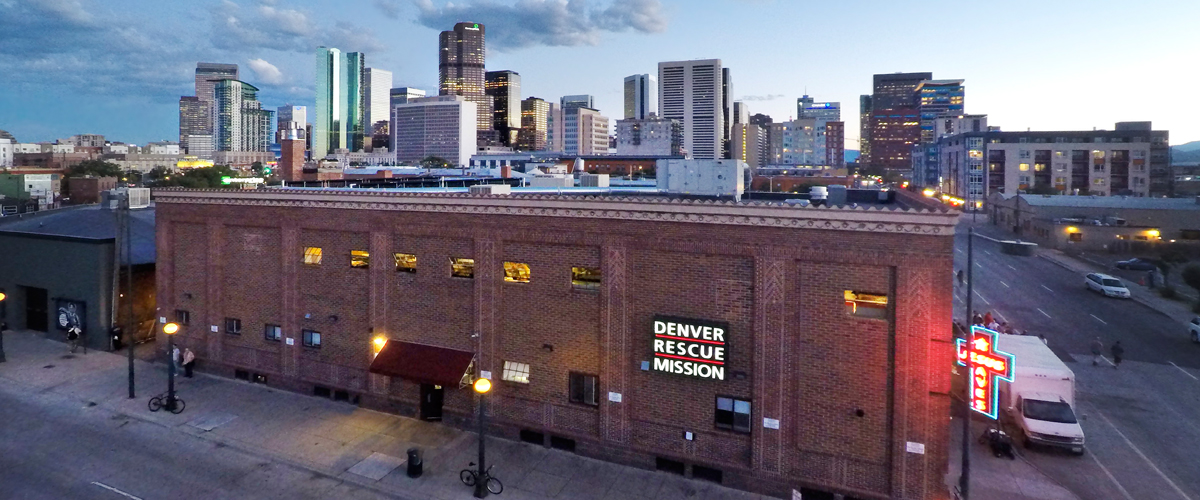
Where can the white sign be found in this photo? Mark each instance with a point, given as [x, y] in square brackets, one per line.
[918, 448]
[37, 178]
[291, 341]
[688, 435]
[213, 328]
[796, 495]
[614, 397]
[485, 374]
[162, 319]
[690, 347]
[771, 423]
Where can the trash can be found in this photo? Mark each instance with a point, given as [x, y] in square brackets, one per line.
[415, 467]
[118, 338]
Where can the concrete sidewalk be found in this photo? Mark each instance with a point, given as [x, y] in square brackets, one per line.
[337, 440]
[998, 478]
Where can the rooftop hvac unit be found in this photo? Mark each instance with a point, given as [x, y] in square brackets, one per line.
[490, 189]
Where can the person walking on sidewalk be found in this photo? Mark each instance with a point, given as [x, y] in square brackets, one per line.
[960, 277]
[976, 319]
[987, 319]
[189, 361]
[73, 338]
[1097, 351]
[175, 358]
[1117, 352]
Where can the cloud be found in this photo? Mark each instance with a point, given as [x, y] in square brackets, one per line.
[266, 72]
[768, 97]
[239, 28]
[390, 8]
[555, 23]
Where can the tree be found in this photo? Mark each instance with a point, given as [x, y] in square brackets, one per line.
[435, 162]
[94, 168]
[1168, 258]
[257, 167]
[1191, 276]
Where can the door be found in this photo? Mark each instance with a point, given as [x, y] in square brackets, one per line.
[37, 309]
[431, 402]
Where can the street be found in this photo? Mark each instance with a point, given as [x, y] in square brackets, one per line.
[1142, 420]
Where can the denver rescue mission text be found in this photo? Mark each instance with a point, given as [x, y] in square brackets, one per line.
[690, 347]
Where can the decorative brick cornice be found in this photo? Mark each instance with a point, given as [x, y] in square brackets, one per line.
[752, 213]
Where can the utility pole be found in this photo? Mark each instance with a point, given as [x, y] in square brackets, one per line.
[964, 479]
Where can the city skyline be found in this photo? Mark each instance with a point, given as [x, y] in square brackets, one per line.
[142, 67]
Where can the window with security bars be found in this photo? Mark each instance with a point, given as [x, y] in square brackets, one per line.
[516, 272]
[584, 389]
[360, 259]
[462, 268]
[515, 372]
[587, 278]
[312, 256]
[732, 414]
[405, 262]
[866, 305]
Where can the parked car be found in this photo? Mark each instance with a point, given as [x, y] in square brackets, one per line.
[1107, 285]
[1137, 265]
[1194, 329]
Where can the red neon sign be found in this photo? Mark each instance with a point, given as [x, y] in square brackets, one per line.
[986, 365]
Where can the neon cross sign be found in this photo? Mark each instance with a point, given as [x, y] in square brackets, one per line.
[987, 365]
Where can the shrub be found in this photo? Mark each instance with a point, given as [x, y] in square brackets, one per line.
[1168, 292]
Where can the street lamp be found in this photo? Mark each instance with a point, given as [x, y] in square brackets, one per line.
[3, 325]
[170, 329]
[481, 386]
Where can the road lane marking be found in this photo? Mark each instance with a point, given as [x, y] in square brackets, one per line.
[1185, 372]
[1011, 267]
[985, 301]
[1144, 457]
[1005, 284]
[1001, 316]
[987, 252]
[1094, 317]
[959, 250]
[1043, 312]
[1047, 288]
[979, 265]
[114, 490]
[1110, 476]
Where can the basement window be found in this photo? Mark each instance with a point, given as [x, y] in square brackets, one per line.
[405, 262]
[866, 305]
[462, 268]
[360, 259]
[586, 278]
[516, 272]
[312, 256]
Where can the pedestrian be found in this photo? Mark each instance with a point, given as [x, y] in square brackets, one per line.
[976, 319]
[189, 361]
[1117, 352]
[1005, 329]
[960, 277]
[73, 338]
[993, 326]
[987, 319]
[175, 358]
[1043, 337]
[1097, 350]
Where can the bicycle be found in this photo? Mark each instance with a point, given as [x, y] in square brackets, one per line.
[158, 402]
[470, 476]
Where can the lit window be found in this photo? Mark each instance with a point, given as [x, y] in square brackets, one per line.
[1024, 167]
[273, 332]
[462, 268]
[360, 259]
[405, 262]
[233, 326]
[866, 305]
[516, 272]
[312, 255]
[516, 372]
[312, 339]
[584, 389]
[585, 277]
[733, 414]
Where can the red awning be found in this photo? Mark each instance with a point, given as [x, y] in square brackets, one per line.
[424, 364]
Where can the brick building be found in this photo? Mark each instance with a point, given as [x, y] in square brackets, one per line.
[824, 333]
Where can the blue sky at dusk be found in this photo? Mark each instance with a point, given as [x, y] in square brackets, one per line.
[118, 67]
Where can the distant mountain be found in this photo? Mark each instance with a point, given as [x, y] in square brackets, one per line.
[850, 155]
[1187, 147]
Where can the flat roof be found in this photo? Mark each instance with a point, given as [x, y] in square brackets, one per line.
[1130, 202]
[85, 223]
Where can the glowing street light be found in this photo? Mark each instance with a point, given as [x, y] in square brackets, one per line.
[170, 329]
[481, 386]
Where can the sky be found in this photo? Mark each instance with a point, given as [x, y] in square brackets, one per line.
[118, 67]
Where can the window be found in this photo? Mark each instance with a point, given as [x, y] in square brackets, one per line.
[1024, 167]
[462, 268]
[233, 326]
[585, 389]
[1075, 236]
[360, 259]
[733, 414]
[183, 317]
[866, 305]
[516, 272]
[273, 332]
[312, 256]
[516, 372]
[1023, 154]
[312, 339]
[585, 277]
[405, 262]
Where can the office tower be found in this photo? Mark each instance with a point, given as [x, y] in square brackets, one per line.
[827, 111]
[640, 96]
[864, 130]
[504, 87]
[291, 123]
[554, 133]
[835, 144]
[535, 114]
[207, 76]
[577, 101]
[461, 54]
[726, 110]
[829, 148]
[649, 137]
[584, 131]
[798, 142]
[741, 113]
[764, 122]
[195, 119]
[443, 126]
[895, 120]
[242, 124]
[401, 95]
[749, 142]
[691, 92]
[338, 120]
[377, 87]
[936, 98]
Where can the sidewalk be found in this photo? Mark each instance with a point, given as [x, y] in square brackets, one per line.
[1178, 311]
[336, 440]
[994, 478]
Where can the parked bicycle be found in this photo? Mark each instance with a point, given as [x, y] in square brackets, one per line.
[470, 476]
[160, 401]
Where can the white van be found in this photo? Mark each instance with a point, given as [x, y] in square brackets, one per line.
[1041, 398]
[1107, 285]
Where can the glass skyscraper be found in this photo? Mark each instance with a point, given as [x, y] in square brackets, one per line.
[242, 124]
[461, 54]
[339, 119]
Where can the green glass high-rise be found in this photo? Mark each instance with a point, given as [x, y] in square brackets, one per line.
[338, 120]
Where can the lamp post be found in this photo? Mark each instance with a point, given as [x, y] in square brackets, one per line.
[170, 329]
[3, 325]
[481, 386]
[964, 479]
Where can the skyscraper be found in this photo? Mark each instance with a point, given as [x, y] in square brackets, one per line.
[726, 111]
[693, 93]
[584, 131]
[535, 114]
[402, 95]
[442, 126]
[895, 120]
[197, 116]
[864, 129]
[935, 99]
[640, 95]
[741, 113]
[504, 87]
[242, 124]
[207, 76]
[461, 54]
[577, 101]
[377, 87]
[338, 120]
[806, 107]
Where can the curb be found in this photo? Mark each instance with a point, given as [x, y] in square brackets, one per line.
[1145, 303]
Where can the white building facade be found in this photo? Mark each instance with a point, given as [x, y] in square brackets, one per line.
[649, 137]
[692, 92]
[377, 89]
[441, 126]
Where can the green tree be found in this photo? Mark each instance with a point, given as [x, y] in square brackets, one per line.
[94, 168]
[435, 162]
[1191, 276]
[257, 168]
[1168, 258]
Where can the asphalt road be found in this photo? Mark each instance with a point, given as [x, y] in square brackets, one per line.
[53, 448]
[1142, 420]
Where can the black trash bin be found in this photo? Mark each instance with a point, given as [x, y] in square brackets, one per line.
[118, 338]
[415, 467]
